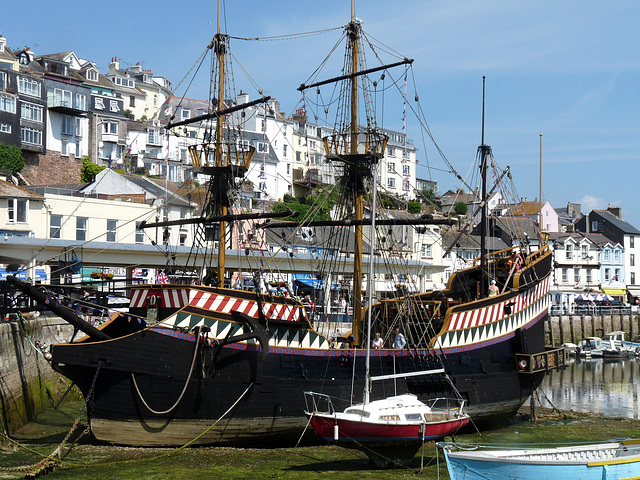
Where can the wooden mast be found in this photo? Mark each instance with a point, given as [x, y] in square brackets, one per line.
[220, 51]
[354, 36]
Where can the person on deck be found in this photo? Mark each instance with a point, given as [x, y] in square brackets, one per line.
[377, 342]
[399, 341]
[493, 289]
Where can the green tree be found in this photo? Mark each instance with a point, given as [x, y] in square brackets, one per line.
[414, 206]
[428, 195]
[460, 208]
[11, 158]
[89, 170]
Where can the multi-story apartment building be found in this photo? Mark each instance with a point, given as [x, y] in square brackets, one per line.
[23, 119]
[610, 223]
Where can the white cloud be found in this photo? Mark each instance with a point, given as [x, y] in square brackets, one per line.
[589, 202]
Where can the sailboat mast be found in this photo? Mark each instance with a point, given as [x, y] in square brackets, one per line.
[484, 154]
[220, 51]
[359, 195]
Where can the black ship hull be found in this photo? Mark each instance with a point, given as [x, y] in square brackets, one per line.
[171, 385]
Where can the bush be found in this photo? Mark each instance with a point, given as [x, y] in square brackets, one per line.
[414, 207]
[460, 208]
[89, 170]
[11, 158]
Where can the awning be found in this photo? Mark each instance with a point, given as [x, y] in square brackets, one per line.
[614, 291]
[41, 275]
[311, 283]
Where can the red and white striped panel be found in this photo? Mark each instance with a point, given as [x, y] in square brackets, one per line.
[225, 304]
[169, 298]
[483, 316]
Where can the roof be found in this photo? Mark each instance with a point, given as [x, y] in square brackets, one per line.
[9, 190]
[597, 238]
[159, 191]
[618, 223]
[466, 241]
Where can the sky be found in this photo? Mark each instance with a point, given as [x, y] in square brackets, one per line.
[569, 70]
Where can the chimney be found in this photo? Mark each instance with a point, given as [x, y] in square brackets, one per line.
[615, 211]
[114, 66]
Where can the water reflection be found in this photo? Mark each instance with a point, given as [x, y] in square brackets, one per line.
[609, 388]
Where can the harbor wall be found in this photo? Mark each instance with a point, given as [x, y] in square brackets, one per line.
[561, 329]
[28, 384]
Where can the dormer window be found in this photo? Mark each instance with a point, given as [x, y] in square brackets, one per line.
[92, 75]
[125, 82]
[186, 114]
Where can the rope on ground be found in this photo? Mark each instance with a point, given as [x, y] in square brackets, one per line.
[49, 462]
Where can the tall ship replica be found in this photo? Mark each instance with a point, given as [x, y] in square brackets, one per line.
[210, 364]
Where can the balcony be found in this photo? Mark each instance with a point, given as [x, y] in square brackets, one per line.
[311, 176]
[65, 104]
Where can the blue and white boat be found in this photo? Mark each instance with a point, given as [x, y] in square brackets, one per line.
[602, 461]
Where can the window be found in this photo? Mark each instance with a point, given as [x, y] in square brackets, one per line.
[312, 144]
[633, 278]
[186, 114]
[584, 250]
[81, 228]
[589, 277]
[29, 111]
[81, 102]
[391, 151]
[426, 250]
[262, 147]
[111, 230]
[31, 135]
[92, 75]
[154, 137]
[617, 256]
[110, 128]
[132, 100]
[632, 260]
[3, 81]
[298, 157]
[631, 241]
[406, 185]
[68, 125]
[288, 169]
[29, 87]
[616, 275]
[569, 251]
[17, 210]
[139, 233]
[61, 98]
[7, 104]
[64, 149]
[576, 275]
[125, 82]
[391, 167]
[607, 274]
[55, 225]
[565, 275]
[406, 170]
[284, 150]
[607, 256]
[5, 128]
[78, 150]
[391, 182]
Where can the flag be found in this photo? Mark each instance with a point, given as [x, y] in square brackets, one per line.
[161, 277]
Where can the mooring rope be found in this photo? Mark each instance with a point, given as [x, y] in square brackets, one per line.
[184, 389]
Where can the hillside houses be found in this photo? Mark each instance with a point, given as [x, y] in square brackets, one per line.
[59, 109]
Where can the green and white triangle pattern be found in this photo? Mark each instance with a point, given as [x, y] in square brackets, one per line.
[278, 337]
[483, 333]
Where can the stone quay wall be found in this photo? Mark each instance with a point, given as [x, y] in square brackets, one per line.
[28, 384]
[561, 329]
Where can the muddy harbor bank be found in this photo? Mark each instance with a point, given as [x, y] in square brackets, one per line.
[42, 436]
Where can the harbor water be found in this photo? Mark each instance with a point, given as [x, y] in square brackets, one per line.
[610, 388]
